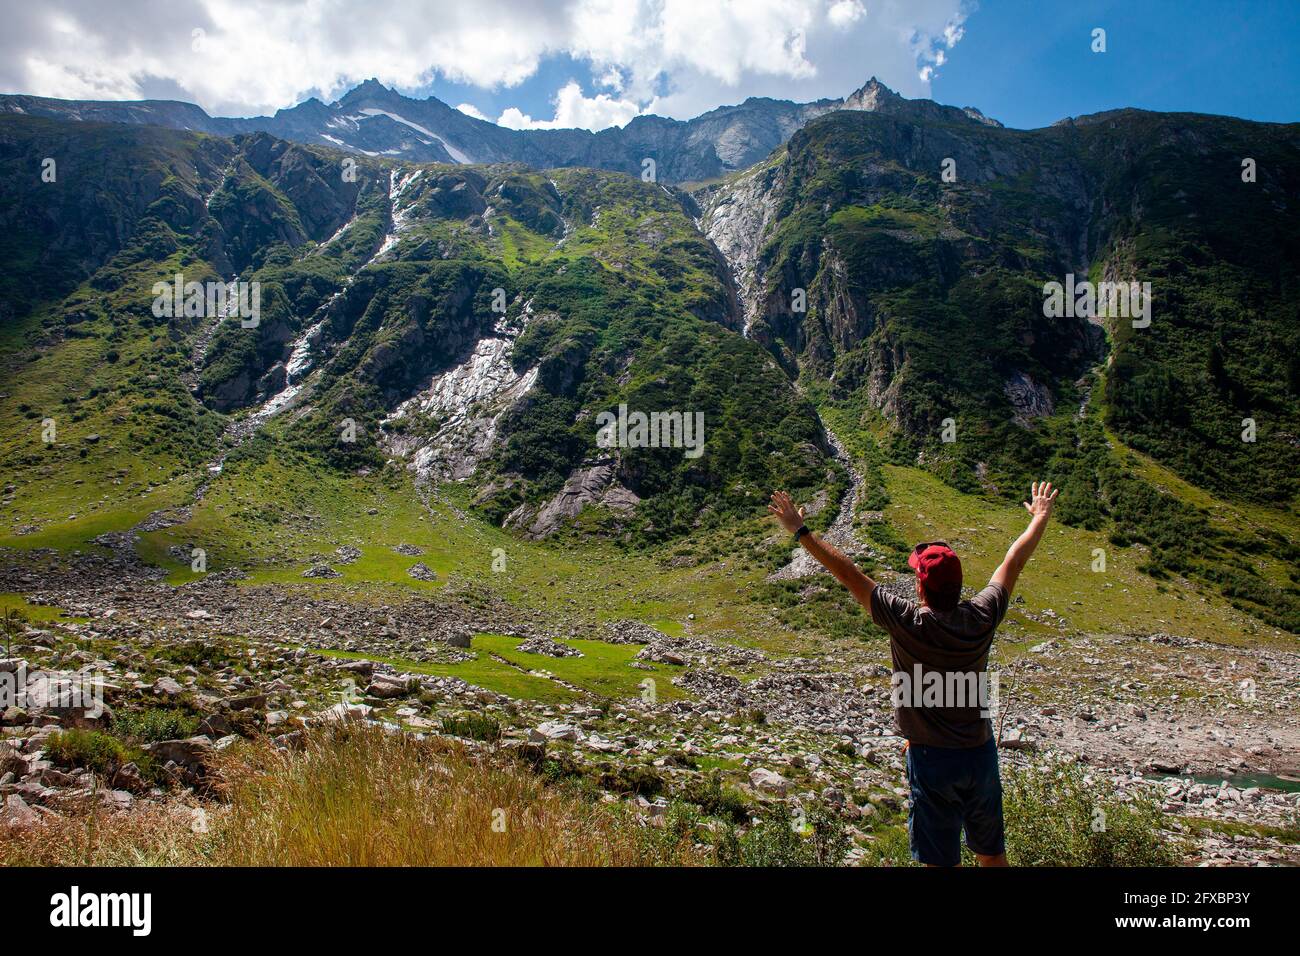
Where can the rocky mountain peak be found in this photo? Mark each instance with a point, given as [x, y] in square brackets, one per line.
[872, 96]
[370, 89]
[875, 97]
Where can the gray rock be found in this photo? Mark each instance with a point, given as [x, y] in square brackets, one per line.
[214, 726]
[769, 781]
[167, 687]
[251, 702]
[185, 753]
[16, 813]
[321, 571]
[553, 730]
[544, 645]
[422, 572]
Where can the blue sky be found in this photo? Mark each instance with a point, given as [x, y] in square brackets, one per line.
[596, 63]
[1029, 64]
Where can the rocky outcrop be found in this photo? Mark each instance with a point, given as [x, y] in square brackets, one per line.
[464, 404]
[736, 218]
[1029, 400]
[595, 483]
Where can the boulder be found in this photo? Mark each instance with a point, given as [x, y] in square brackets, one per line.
[167, 687]
[68, 698]
[11, 762]
[251, 702]
[185, 753]
[342, 711]
[1015, 739]
[129, 778]
[553, 730]
[116, 799]
[529, 752]
[769, 781]
[386, 686]
[16, 813]
[214, 726]
[364, 668]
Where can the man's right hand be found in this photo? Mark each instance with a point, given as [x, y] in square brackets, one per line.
[1041, 497]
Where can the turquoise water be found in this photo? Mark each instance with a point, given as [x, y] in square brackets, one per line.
[1241, 781]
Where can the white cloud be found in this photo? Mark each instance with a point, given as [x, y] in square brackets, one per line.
[262, 55]
[930, 49]
[573, 110]
[613, 79]
[845, 13]
[469, 109]
[677, 57]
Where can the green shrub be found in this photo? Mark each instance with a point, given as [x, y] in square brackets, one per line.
[710, 795]
[154, 724]
[635, 779]
[785, 838]
[1057, 816]
[671, 843]
[472, 726]
[198, 654]
[93, 749]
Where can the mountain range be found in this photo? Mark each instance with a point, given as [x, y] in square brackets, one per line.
[374, 120]
[839, 288]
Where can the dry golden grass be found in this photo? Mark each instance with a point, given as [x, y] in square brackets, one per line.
[363, 797]
[155, 836]
[358, 796]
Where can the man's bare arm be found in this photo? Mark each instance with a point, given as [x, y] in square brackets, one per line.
[830, 557]
[1040, 507]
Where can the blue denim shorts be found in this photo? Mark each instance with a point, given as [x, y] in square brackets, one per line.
[954, 789]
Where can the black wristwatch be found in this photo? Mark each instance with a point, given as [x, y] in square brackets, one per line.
[800, 532]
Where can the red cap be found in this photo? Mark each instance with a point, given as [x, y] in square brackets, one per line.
[937, 567]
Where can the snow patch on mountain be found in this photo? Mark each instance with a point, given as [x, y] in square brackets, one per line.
[459, 155]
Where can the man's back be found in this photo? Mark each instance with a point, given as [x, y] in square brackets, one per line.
[940, 683]
[940, 665]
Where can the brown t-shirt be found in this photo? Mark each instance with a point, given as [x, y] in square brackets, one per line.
[940, 661]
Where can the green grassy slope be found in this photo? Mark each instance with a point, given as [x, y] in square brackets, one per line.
[925, 322]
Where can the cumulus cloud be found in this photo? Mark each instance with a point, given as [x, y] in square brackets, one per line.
[674, 57]
[613, 78]
[845, 12]
[573, 109]
[469, 109]
[930, 50]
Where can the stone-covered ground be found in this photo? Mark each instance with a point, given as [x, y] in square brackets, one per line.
[230, 660]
